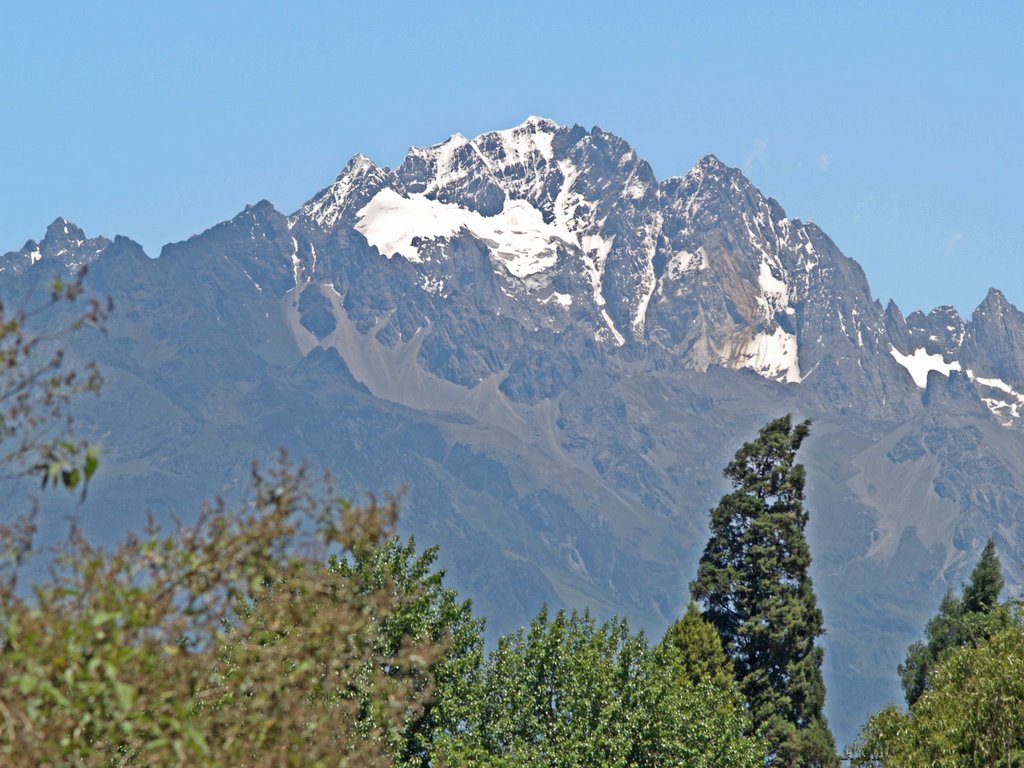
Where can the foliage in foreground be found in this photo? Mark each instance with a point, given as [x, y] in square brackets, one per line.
[37, 388]
[971, 714]
[229, 642]
[964, 685]
[565, 692]
[299, 631]
[965, 619]
[568, 693]
[423, 610]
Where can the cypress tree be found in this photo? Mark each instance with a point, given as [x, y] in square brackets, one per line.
[754, 586]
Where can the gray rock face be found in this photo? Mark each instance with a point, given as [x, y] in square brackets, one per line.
[63, 247]
[584, 242]
[316, 313]
[557, 354]
[940, 332]
[994, 340]
[453, 172]
[744, 286]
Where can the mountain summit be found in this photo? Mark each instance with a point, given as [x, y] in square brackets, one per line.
[575, 235]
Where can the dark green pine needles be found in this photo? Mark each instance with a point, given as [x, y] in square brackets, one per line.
[754, 587]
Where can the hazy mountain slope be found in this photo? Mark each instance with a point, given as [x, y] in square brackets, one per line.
[556, 354]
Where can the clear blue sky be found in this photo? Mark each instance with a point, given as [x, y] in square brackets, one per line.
[897, 129]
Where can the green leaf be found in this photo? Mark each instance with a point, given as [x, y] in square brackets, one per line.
[27, 683]
[70, 478]
[92, 461]
[125, 695]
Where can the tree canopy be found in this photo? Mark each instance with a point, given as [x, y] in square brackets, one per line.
[570, 693]
[422, 610]
[969, 715]
[226, 642]
[968, 618]
[695, 650]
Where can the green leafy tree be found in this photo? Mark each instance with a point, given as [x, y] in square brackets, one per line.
[974, 615]
[971, 714]
[226, 642]
[566, 693]
[754, 586]
[422, 610]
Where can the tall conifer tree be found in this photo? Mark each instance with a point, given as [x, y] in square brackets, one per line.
[754, 586]
[973, 616]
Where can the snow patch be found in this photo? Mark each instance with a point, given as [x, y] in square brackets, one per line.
[772, 355]
[296, 264]
[635, 190]
[533, 135]
[518, 236]
[684, 262]
[619, 338]
[561, 299]
[595, 253]
[583, 231]
[649, 282]
[775, 292]
[995, 383]
[920, 364]
[448, 168]
[1007, 413]
[1006, 409]
[259, 288]
[434, 285]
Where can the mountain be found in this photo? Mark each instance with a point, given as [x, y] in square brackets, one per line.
[556, 354]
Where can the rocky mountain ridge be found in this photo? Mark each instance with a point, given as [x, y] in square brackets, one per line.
[702, 269]
[557, 354]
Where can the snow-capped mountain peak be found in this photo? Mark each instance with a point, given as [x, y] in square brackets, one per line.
[541, 197]
[702, 267]
[534, 136]
[64, 243]
[360, 177]
[709, 165]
